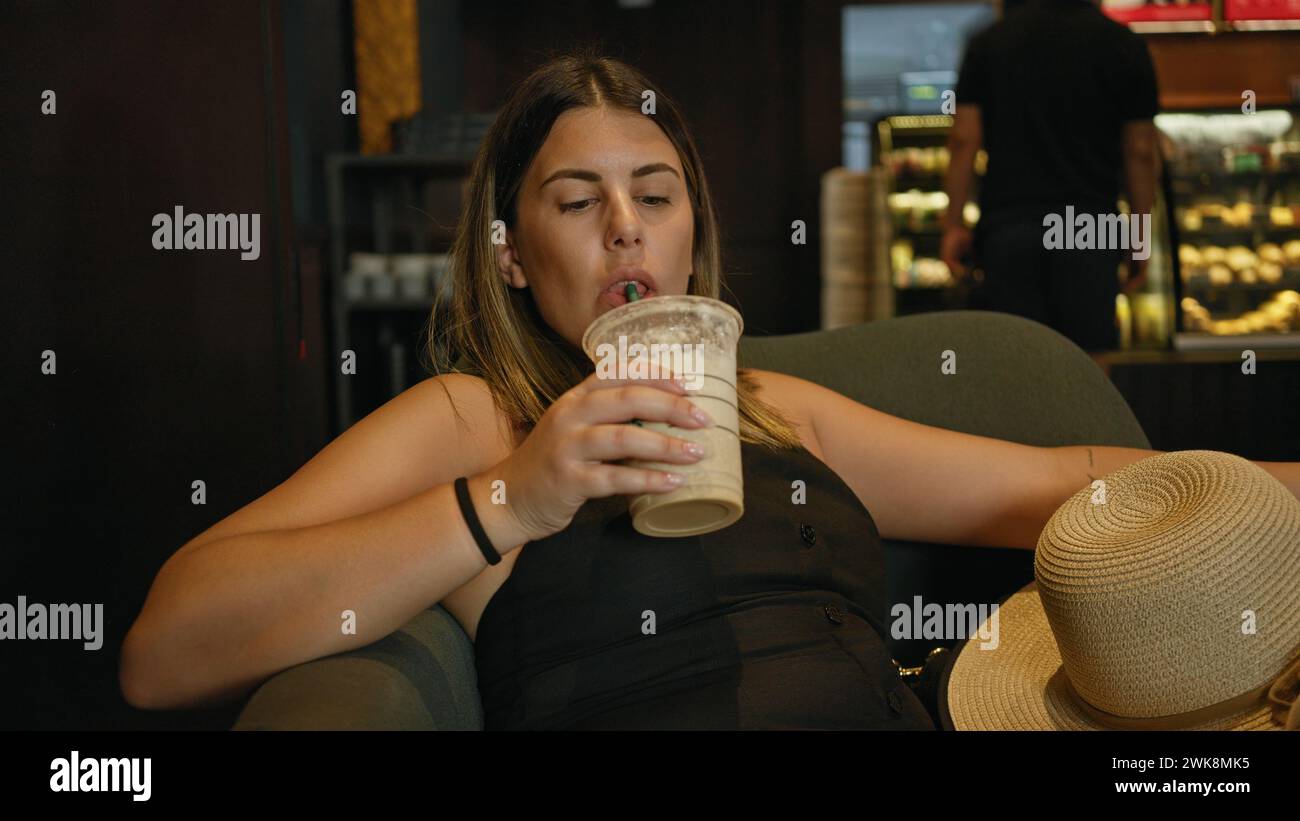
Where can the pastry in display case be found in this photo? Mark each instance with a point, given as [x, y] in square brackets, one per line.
[1235, 218]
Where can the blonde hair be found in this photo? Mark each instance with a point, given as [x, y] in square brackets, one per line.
[497, 330]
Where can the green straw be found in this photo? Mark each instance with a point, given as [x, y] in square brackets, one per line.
[632, 296]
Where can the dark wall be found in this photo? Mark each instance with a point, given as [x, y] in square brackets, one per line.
[319, 66]
[172, 366]
[442, 57]
[759, 82]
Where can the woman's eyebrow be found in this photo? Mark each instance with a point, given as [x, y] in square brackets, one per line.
[592, 176]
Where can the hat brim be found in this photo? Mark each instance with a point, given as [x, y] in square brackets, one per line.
[1012, 686]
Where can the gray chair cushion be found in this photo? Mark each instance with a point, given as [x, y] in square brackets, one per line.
[1016, 379]
[420, 677]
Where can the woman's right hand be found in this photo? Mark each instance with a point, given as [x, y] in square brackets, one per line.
[561, 463]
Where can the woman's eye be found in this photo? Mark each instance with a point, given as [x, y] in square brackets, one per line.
[573, 206]
[580, 205]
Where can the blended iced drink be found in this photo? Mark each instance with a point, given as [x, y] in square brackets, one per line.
[696, 338]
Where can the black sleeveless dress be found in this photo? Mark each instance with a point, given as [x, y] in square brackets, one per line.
[775, 622]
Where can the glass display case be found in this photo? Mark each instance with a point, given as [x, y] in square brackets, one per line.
[1233, 210]
[912, 149]
[1224, 271]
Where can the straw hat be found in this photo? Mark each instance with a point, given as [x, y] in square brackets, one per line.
[1170, 602]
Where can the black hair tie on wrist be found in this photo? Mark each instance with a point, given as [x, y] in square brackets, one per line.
[471, 518]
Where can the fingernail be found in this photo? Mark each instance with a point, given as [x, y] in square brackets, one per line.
[694, 449]
[700, 416]
[674, 478]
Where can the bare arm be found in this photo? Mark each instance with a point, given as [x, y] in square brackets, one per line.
[964, 142]
[370, 524]
[1141, 165]
[1081, 464]
[225, 617]
[928, 484]
[1141, 169]
[924, 483]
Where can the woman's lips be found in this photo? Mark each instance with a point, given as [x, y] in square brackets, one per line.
[617, 296]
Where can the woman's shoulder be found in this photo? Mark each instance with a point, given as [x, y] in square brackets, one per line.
[776, 388]
[472, 403]
[788, 395]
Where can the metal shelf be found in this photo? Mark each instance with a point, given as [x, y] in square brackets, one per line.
[394, 189]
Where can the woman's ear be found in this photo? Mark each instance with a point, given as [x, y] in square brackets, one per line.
[512, 272]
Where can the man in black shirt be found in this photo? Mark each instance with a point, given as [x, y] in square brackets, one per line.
[1062, 99]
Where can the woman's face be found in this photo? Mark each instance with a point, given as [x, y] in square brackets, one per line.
[604, 200]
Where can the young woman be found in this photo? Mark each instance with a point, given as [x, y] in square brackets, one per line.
[776, 621]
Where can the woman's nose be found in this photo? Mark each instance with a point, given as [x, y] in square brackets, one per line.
[624, 223]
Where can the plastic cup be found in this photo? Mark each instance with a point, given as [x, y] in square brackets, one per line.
[696, 338]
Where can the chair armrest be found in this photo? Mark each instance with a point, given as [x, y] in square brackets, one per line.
[420, 677]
